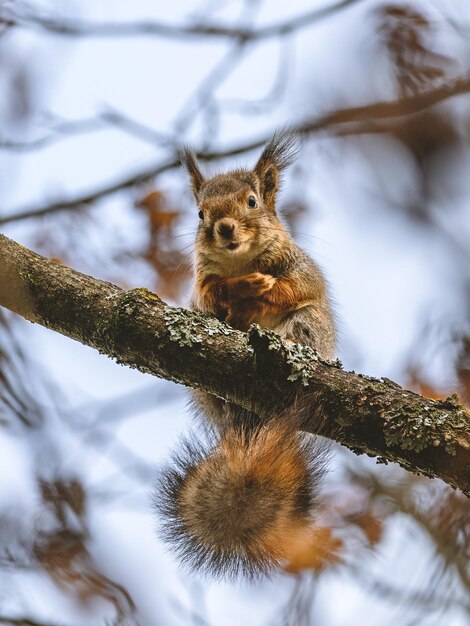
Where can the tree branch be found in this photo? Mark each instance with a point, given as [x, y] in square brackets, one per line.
[79, 28]
[349, 120]
[256, 370]
[66, 129]
[23, 621]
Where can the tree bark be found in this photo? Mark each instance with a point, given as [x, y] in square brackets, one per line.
[256, 369]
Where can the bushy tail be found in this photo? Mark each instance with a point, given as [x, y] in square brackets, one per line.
[242, 504]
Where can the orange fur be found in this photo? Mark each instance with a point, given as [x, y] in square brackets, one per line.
[283, 297]
[244, 505]
[268, 460]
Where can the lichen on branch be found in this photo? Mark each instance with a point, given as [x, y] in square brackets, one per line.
[257, 370]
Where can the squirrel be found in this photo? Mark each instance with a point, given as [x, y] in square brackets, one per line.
[242, 503]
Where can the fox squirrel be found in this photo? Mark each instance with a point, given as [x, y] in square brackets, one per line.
[241, 503]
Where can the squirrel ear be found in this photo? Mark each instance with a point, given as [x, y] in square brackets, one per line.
[278, 154]
[189, 162]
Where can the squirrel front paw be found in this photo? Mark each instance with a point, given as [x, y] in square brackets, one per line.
[249, 286]
[259, 283]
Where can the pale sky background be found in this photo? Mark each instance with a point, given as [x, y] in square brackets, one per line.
[383, 271]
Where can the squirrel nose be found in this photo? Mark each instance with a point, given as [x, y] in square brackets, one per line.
[226, 228]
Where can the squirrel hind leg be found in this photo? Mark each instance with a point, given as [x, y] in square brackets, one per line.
[236, 508]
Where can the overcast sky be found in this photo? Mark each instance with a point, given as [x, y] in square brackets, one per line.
[385, 273]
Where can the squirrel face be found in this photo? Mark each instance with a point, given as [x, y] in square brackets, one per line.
[237, 210]
[234, 223]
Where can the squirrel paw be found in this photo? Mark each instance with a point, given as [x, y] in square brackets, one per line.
[260, 283]
[249, 286]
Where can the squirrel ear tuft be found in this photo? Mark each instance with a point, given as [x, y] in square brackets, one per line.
[278, 154]
[189, 162]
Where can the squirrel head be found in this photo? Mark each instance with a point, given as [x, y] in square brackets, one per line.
[237, 210]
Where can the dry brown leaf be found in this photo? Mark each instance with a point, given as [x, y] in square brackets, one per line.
[371, 525]
[155, 205]
[172, 266]
[421, 386]
[322, 549]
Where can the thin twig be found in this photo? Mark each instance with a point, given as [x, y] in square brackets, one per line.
[67, 27]
[364, 116]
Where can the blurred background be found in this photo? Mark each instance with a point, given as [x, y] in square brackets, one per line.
[96, 97]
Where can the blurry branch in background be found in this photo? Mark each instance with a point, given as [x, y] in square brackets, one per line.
[25, 18]
[443, 518]
[202, 95]
[17, 383]
[61, 130]
[351, 120]
[62, 551]
[375, 416]
[298, 609]
[50, 537]
[271, 99]
[405, 31]
[442, 515]
[359, 508]
[59, 133]
[25, 621]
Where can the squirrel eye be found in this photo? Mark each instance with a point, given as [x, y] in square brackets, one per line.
[201, 215]
[252, 202]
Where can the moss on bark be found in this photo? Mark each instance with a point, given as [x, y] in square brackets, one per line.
[256, 370]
